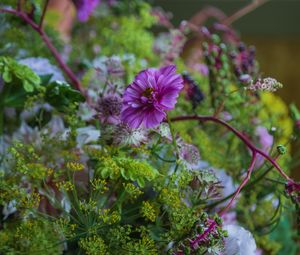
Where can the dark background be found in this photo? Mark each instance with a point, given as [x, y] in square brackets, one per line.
[274, 29]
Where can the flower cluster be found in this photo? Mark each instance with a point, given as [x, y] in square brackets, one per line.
[267, 84]
[124, 154]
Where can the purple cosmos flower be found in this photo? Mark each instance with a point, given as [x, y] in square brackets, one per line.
[85, 8]
[153, 92]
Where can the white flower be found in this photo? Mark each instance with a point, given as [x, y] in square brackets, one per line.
[125, 135]
[86, 135]
[164, 130]
[9, 209]
[86, 112]
[42, 66]
[267, 84]
[189, 154]
[226, 182]
[239, 241]
[54, 126]
[28, 134]
[30, 113]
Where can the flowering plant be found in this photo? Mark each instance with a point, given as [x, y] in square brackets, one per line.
[126, 141]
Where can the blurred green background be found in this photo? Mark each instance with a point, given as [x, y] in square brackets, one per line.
[274, 29]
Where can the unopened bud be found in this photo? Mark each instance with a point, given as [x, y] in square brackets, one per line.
[281, 149]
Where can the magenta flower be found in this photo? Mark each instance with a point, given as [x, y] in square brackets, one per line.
[153, 92]
[85, 8]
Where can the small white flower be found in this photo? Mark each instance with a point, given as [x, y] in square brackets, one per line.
[189, 155]
[267, 84]
[164, 130]
[239, 241]
[125, 135]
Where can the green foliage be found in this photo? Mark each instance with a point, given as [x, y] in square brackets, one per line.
[120, 32]
[101, 198]
[31, 236]
[61, 95]
[127, 168]
[93, 245]
[11, 70]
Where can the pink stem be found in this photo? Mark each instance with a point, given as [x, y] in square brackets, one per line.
[244, 11]
[244, 182]
[240, 135]
[49, 44]
[194, 243]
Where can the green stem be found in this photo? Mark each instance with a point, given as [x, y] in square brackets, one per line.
[1, 120]
[173, 137]
[174, 142]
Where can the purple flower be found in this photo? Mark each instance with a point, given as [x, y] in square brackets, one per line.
[85, 8]
[109, 108]
[153, 92]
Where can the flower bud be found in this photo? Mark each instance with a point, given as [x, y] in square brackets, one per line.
[281, 149]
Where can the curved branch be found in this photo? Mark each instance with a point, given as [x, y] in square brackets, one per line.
[244, 182]
[240, 135]
[244, 11]
[49, 44]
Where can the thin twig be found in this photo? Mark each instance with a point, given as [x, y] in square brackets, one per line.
[240, 135]
[244, 11]
[19, 6]
[244, 182]
[44, 13]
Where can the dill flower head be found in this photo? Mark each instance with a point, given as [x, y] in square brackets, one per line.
[153, 92]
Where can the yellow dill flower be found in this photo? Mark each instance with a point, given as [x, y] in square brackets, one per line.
[75, 166]
[65, 186]
[149, 211]
[99, 185]
[93, 245]
[132, 190]
[170, 197]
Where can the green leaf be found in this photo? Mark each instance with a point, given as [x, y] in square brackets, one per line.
[11, 70]
[61, 95]
[45, 79]
[7, 77]
[27, 86]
